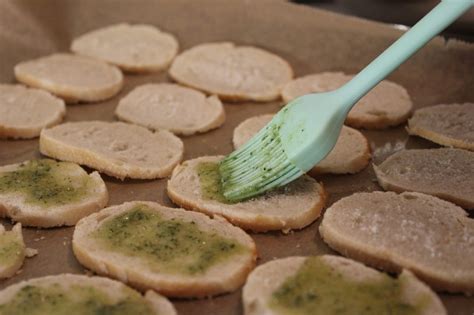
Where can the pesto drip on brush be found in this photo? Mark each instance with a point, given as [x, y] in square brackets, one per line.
[171, 245]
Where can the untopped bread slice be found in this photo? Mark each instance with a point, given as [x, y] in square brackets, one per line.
[24, 112]
[12, 251]
[46, 193]
[71, 77]
[181, 110]
[195, 185]
[114, 148]
[449, 125]
[232, 72]
[388, 104]
[175, 252]
[78, 294]
[445, 173]
[429, 236]
[351, 153]
[330, 285]
[134, 48]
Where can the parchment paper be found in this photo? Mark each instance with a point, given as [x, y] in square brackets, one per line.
[311, 40]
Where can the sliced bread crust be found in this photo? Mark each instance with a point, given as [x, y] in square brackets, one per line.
[25, 111]
[429, 236]
[219, 278]
[291, 207]
[16, 254]
[181, 110]
[73, 78]
[445, 173]
[134, 48]
[449, 125]
[232, 72]
[114, 290]
[115, 148]
[388, 104]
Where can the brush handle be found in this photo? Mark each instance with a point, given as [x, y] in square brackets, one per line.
[446, 12]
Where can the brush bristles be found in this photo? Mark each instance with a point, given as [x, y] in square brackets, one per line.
[261, 164]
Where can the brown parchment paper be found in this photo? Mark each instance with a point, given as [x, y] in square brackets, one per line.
[311, 40]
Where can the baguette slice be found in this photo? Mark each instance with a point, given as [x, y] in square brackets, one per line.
[134, 48]
[330, 285]
[388, 104]
[71, 77]
[291, 207]
[351, 153]
[181, 110]
[46, 193]
[78, 294]
[166, 256]
[232, 72]
[24, 112]
[117, 149]
[445, 173]
[449, 125]
[12, 251]
[431, 237]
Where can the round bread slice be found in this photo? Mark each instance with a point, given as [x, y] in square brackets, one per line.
[134, 48]
[12, 251]
[449, 125]
[24, 112]
[117, 149]
[291, 207]
[231, 72]
[46, 193]
[388, 104]
[181, 110]
[71, 77]
[429, 236]
[77, 294]
[445, 173]
[351, 153]
[175, 252]
[330, 285]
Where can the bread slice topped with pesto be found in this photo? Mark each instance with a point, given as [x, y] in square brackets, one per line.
[330, 285]
[47, 193]
[77, 294]
[12, 251]
[175, 252]
[195, 185]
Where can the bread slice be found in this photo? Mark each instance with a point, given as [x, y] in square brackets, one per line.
[445, 173]
[79, 294]
[12, 251]
[291, 207]
[449, 125]
[332, 285]
[232, 72]
[431, 237]
[46, 193]
[117, 149]
[351, 153]
[134, 48]
[71, 77]
[181, 110]
[388, 104]
[24, 112]
[175, 252]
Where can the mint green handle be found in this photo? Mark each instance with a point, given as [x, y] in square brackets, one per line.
[446, 12]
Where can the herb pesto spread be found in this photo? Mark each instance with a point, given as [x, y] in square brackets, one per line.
[210, 180]
[11, 249]
[165, 244]
[76, 300]
[317, 289]
[45, 183]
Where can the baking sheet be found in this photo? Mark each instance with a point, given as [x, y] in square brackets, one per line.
[311, 40]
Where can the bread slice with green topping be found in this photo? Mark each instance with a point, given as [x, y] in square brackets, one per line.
[79, 294]
[172, 251]
[46, 193]
[330, 285]
[12, 250]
